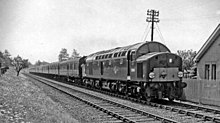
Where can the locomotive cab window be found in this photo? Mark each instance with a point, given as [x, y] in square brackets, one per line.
[132, 56]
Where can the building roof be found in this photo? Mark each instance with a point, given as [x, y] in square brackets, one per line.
[212, 38]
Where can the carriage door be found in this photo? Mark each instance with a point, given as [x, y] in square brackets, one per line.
[101, 66]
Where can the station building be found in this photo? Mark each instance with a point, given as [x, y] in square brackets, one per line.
[208, 57]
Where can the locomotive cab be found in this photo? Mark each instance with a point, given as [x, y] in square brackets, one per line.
[160, 71]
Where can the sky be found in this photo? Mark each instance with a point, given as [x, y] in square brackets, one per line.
[39, 29]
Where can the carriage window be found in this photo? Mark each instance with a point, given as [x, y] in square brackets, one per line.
[71, 66]
[96, 57]
[74, 66]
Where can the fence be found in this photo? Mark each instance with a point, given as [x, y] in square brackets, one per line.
[203, 91]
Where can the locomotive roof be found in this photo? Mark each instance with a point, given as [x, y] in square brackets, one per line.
[122, 49]
[147, 56]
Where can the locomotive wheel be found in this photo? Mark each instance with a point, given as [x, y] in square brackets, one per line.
[147, 94]
[171, 99]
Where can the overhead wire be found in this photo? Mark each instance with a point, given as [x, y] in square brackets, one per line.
[160, 33]
[146, 31]
[145, 38]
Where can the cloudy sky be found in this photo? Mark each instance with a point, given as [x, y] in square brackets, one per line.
[39, 29]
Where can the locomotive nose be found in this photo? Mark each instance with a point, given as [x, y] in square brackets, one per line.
[165, 67]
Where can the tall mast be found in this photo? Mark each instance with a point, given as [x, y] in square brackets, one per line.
[153, 17]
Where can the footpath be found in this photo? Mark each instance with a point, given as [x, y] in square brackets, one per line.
[23, 102]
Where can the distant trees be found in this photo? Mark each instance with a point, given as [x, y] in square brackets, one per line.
[38, 63]
[187, 57]
[63, 56]
[6, 57]
[75, 54]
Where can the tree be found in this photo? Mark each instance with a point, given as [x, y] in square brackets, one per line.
[187, 57]
[8, 60]
[20, 63]
[6, 54]
[63, 56]
[75, 54]
[1, 55]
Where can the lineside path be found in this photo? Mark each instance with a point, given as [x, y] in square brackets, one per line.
[23, 102]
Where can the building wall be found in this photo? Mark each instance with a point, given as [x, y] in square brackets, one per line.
[202, 91]
[212, 56]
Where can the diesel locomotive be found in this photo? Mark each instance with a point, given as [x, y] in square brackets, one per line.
[146, 70]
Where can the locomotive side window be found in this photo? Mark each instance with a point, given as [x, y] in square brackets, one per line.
[110, 55]
[116, 54]
[106, 56]
[119, 54]
[123, 53]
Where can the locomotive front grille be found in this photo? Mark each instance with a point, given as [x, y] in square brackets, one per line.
[165, 74]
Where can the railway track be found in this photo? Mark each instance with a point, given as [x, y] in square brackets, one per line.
[194, 111]
[118, 112]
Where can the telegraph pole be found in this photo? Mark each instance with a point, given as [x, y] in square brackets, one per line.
[153, 17]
